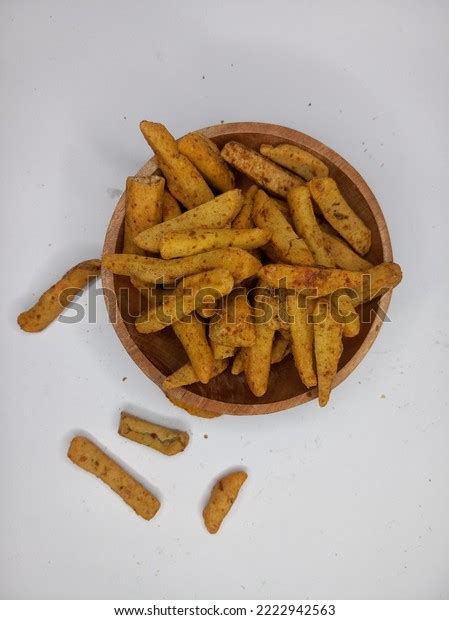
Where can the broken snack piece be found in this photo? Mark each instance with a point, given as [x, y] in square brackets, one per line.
[222, 497]
[169, 441]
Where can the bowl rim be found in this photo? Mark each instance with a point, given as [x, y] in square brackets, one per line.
[184, 395]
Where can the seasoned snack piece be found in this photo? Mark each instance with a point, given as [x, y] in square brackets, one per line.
[342, 254]
[183, 179]
[120, 264]
[205, 155]
[339, 214]
[221, 351]
[257, 360]
[151, 292]
[301, 330]
[306, 226]
[234, 327]
[170, 207]
[189, 295]
[52, 302]
[328, 348]
[320, 282]
[186, 375]
[285, 245]
[224, 494]
[295, 159]
[244, 219]
[259, 169]
[239, 263]
[239, 362]
[90, 457]
[143, 208]
[280, 350]
[192, 334]
[177, 244]
[195, 411]
[169, 441]
[216, 213]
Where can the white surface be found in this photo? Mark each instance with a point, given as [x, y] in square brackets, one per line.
[349, 502]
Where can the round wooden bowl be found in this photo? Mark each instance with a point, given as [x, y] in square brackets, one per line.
[159, 354]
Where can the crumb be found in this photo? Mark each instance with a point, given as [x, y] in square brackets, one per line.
[382, 396]
[124, 118]
[124, 378]
[221, 121]
[206, 436]
[309, 105]
[203, 77]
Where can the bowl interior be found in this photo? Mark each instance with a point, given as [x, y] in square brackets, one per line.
[160, 354]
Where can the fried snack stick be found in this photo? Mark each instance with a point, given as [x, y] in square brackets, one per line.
[257, 359]
[301, 331]
[239, 263]
[320, 282]
[189, 295]
[305, 224]
[192, 335]
[186, 375]
[339, 214]
[234, 326]
[143, 208]
[120, 264]
[88, 456]
[239, 362]
[295, 159]
[285, 245]
[152, 293]
[205, 155]
[178, 244]
[195, 411]
[166, 440]
[243, 219]
[217, 213]
[183, 179]
[280, 350]
[328, 348]
[341, 253]
[259, 169]
[52, 302]
[222, 497]
[170, 207]
[221, 351]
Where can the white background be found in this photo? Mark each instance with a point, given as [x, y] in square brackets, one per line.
[347, 502]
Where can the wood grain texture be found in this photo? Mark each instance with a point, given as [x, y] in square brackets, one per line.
[158, 355]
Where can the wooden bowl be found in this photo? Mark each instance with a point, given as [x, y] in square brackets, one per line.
[159, 354]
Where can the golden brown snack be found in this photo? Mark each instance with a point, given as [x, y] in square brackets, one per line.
[260, 169]
[306, 226]
[186, 375]
[195, 411]
[224, 494]
[280, 350]
[234, 326]
[328, 348]
[183, 179]
[143, 208]
[239, 263]
[205, 155]
[257, 360]
[51, 303]
[120, 264]
[339, 214]
[190, 294]
[345, 313]
[216, 213]
[342, 254]
[239, 362]
[169, 441]
[285, 244]
[192, 334]
[320, 282]
[244, 219]
[295, 159]
[301, 330]
[178, 244]
[221, 351]
[170, 207]
[91, 458]
[151, 292]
